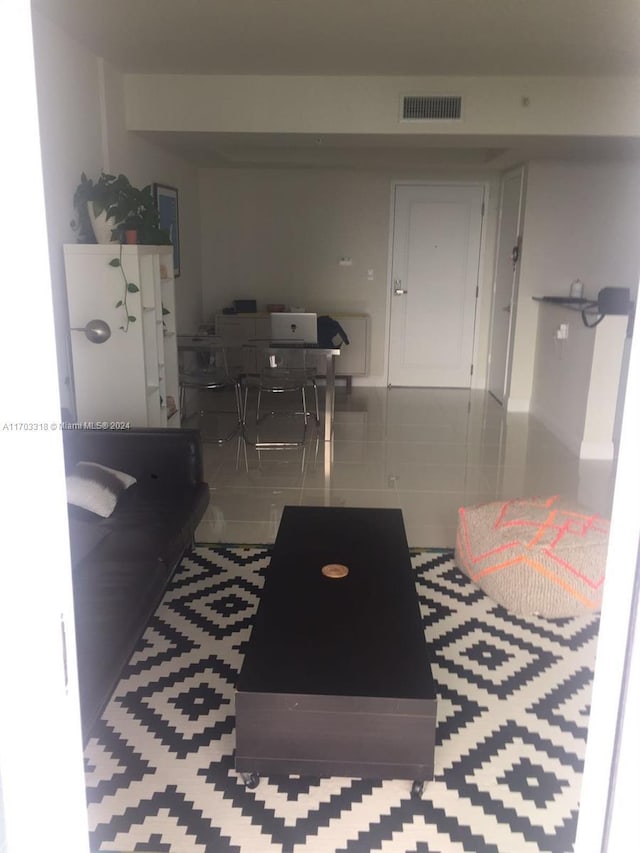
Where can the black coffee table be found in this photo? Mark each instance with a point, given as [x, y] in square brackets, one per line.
[336, 679]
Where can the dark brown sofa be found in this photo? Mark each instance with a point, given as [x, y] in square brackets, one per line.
[122, 564]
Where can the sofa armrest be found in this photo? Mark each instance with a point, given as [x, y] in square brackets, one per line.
[159, 457]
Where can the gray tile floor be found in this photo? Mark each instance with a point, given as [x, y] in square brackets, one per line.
[426, 451]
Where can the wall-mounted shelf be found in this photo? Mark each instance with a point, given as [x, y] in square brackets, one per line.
[572, 302]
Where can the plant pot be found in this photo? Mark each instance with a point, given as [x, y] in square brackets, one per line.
[131, 236]
[102, 227]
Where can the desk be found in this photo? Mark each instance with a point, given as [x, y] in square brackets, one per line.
[213, 343]
[238, 329]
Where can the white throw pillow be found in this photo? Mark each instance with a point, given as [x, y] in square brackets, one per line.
[97, 488]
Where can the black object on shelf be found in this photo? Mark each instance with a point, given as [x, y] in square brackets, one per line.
[612, 301]
[245, 306]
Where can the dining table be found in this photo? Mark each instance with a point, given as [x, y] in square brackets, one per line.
[214, 343]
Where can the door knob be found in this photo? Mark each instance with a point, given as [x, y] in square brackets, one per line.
[97, 331]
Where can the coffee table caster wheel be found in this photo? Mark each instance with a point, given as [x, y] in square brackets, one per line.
[417, 789]
[250, 780]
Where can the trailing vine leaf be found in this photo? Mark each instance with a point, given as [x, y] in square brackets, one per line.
[165, 310]
[129, 287]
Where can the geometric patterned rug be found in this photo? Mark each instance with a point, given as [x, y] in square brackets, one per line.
[513, 708]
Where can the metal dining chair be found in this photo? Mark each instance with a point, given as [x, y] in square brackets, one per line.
[281, 370]
[214, 377]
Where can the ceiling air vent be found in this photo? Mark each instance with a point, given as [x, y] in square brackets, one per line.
[420, 107]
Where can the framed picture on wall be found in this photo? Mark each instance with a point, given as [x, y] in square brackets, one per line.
[167, 204]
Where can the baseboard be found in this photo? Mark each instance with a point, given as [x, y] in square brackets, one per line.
[556, 426]
[515, 405]
[603, 450]
[369, 382]
[593, 450]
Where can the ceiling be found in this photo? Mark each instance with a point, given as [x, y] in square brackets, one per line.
[388, 37]
[379, 152]
[362, 37]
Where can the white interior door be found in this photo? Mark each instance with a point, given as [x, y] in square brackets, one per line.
[42, 801]
[436, 250]
[505, 282]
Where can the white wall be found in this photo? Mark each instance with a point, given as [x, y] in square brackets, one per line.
[67, 78]
[145, 163]
[575, 388]
[276, 235]
[581, 221]
[81, 110]
[352, 104]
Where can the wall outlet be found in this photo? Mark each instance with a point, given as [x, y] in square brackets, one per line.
[345, 262]
[562, 332]
[369, 275]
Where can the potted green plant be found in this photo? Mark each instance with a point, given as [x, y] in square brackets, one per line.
[139, 216]
[110, 206]
[107, 211]
[95, 202]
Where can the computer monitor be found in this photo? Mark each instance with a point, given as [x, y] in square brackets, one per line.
[294, 328]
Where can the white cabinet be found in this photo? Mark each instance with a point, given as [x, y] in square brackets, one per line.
[133, 376]
[238, 329]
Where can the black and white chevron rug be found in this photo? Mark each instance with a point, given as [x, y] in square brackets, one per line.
[513, 706]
